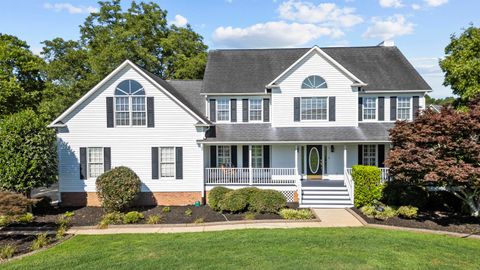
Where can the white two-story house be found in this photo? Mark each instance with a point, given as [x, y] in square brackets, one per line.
[294, 120]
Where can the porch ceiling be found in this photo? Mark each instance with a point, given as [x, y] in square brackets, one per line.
[365, 132]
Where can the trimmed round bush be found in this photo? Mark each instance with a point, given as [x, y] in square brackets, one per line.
[215, 196]
[118, 188]
[267, 201]
[234, 201]
[368, 185]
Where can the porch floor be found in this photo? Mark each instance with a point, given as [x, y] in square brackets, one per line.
[322, 183]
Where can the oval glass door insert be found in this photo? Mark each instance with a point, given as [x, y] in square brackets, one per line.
[314, 160]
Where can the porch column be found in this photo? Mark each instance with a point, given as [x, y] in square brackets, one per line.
[344, 162]
[250, 171]
[296, 159]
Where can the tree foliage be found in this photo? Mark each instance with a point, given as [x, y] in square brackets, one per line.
[21, 80]
[462, 63]
[447, 101]
[28, 155]
[441, 149]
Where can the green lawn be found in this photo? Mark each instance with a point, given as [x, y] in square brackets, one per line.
[349, 248]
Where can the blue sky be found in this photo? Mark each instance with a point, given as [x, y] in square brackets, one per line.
[420, 28]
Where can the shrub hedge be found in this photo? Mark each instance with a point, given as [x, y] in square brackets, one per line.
[215, 196]
[118, 188]
[234, 201]
[267, 201]
[13, 204]
[250, 198]
[368, 185]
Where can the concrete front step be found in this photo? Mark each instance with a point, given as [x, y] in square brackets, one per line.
[324, 192]
[324, 188]
[325, 197]
[326, 205]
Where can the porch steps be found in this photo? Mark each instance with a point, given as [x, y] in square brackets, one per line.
[325, 197]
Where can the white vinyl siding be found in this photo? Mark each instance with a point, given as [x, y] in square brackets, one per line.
[255, 110]
[223, 110]
[95, 162]
[257, 156]
[370, 154]
[404, 108]
[224, 156]
[369, 108]
[313, 108]
[167, 162]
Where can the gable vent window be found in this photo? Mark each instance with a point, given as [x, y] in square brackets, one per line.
[223, 110]
[314, 108]
[404, 108]
[255, 109]
[130, 109]
[314, 82]
[369, 108]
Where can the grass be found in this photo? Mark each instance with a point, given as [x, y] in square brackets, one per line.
[315, 248]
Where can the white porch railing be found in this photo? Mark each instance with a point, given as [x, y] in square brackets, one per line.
[250, 176]
[384, 176]
[349, 183]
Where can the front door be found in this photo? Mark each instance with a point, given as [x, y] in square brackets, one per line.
[314, 162]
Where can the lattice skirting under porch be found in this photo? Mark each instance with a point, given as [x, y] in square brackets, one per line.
[289, 195]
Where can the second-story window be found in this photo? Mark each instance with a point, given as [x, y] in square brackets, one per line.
[223, 110]
[404, 109]
[255, 110]
[369, 108]
[314, 108]
[130, 109]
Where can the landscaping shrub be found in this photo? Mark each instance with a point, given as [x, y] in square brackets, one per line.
[7, 251]
[166, 209]
[41, 241]
[118, 188]
[154, 219]
[296, 214]
[248, 192]
[61, 231]
[368, 210]
[199, 220]
[249, 216]
[407, 211]
[13, 204]
[65, 219]
[234, 201]
[267, 201]
[5, 220]
[132, 217]
[368, 185]
[111, 218]
[26, 218]
[215, 196]
[388, 212]
[396, 193]
[188, 212]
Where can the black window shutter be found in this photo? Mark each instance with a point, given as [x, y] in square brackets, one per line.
[109, 112]
[213, 156]
[381, 155]
[178, 162]
[154, 162]
[234, 156]
[296, 109]
[245, 157]
[393, 108]
[233, 110]
[245, 110]
[266, 156]
[213, 110]
[266, 110]
[360, 111]
[83, 163]
[331, 109]
[416, 106]
[107, 159]
[381, 108]
[150, 112]
[360, 154]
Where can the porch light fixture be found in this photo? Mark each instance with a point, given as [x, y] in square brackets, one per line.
[332, 148]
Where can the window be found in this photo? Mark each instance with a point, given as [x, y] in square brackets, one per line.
[313, 108]
[403, 108]
[167, 161]
[255, 109]
[95, 162]
[370, 155]
[369, 108]
[223, 110]
[257, 156]
[314, 82]
[130, 104]
[224, 156]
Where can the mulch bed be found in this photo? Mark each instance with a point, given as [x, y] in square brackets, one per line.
[432, 220]
[22, 243]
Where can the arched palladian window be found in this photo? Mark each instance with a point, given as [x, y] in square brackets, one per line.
[130, 109]
[314, 82]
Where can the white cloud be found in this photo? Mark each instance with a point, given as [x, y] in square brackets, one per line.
[324, 13]
[436, 3]
[180, 21]
[391, 3]
[427, 65]
[70, 8]
[389, 28]
[272, 34]
[416, 6]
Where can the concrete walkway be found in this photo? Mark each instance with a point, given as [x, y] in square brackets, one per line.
[328, 218]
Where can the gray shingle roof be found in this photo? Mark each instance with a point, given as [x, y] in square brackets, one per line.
[266, 133]
[248, 71]
[190, 90]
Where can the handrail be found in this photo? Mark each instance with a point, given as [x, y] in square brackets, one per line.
[349, 184]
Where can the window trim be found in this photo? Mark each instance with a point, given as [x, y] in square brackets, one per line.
[160, 177]
[218, 156]
[363, 109]
[376, 154]
[229, 109]
[250, 110]
[262, 156]
[315, 120]
[314, 88]
[130, 106]
[89, 177]
[410, 117]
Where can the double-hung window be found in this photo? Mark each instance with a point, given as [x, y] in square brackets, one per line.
[167, 162]
[314, 108]
[255, 109]
[369, 108]
[370, 155]
[224, 156]
[95, 162]
[257, 156]
[404, 108]
[223, 110]
[130, 109]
